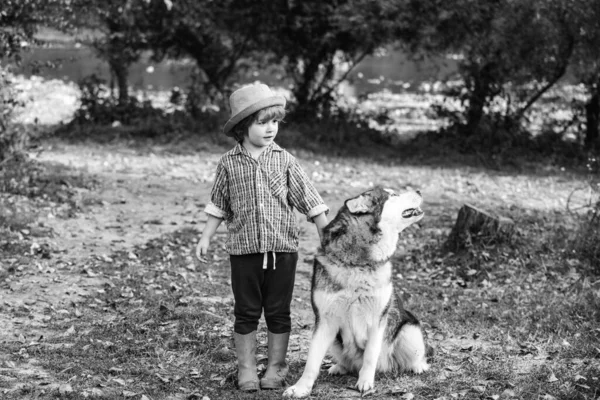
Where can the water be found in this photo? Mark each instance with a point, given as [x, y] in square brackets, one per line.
[393, 71]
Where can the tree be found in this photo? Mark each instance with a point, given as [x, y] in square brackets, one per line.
[514, 48]
[584, 17]
[321, 42]
[19, 20]
[118, 37]
[222, 37]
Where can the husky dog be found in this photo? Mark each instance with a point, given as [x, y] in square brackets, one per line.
[359, 316]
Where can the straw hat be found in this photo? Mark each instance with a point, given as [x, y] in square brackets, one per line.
[249, 99]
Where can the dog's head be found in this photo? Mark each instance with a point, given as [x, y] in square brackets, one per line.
[366, 227]
[389, 209]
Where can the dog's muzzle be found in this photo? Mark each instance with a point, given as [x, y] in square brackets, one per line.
[412, 212]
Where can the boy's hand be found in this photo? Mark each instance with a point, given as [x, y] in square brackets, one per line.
[202, 250]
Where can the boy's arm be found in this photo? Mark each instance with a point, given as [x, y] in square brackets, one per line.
[212, 223]
[321, 222]
[302, 194]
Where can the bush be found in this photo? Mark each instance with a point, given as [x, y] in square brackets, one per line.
[98, 106]
[13, 138]
[586, 243]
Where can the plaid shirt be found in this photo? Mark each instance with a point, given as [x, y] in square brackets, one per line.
[257, 197]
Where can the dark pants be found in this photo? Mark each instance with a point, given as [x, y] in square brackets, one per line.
[255, 289]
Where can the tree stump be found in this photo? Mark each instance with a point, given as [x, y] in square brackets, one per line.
[475, 225]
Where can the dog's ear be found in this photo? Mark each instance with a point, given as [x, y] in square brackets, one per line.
[359, 205]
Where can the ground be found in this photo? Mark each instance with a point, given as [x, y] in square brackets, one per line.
[123, 260]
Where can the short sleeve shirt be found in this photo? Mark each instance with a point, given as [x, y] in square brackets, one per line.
[257, 197]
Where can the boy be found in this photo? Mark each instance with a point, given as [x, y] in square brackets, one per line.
[256, 188]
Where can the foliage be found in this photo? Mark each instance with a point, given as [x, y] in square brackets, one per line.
[18, 23]
[584, 20]
[220, 36]
[19, 20]
[119, 38]
[321, 42]
[13, 138]
[99, 107]
[513, 49]
[584, 203]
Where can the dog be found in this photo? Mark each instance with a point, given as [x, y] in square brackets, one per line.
[359, 316]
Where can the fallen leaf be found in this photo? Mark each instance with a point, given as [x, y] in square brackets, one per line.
[195, 374]
[65, 389]
[442, 376]
[216, 377]
[479, 389]
[508, 393]
[127, 394]
[69, 331]
[120, 381]
[548, 397]
[551, 378]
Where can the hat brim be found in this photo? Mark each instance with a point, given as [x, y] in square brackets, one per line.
[264, 103]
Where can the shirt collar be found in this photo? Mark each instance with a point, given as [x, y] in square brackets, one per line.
[239, 149]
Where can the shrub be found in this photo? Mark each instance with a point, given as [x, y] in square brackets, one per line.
[13, 138]
[99, 106]
[587, 238]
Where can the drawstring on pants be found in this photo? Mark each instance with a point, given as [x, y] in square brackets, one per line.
[266, 259]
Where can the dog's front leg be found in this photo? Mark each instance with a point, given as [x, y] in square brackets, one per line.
[366, 375]
[322, 338]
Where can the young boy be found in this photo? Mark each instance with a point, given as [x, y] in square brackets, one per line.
[256, 188]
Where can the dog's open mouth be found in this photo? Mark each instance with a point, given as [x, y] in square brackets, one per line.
[412, 212]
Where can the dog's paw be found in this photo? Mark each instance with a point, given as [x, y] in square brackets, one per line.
[365, 385]
[337, 369]
[297, 391]
[420, 368]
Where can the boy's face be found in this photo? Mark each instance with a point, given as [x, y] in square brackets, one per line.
[262, 133]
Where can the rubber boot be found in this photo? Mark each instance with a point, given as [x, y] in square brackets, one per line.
[245, 348]
[277, 368]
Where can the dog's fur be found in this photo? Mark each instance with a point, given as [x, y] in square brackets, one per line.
[359, 316]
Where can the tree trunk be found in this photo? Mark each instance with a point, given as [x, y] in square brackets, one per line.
[475, 225]
[121, 72]
[475, 110]
[592, 112]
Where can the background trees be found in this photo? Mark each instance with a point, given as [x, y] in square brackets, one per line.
[510, 52]
[510, 49]
[584, 21]
[319, 43]
[19, 20]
